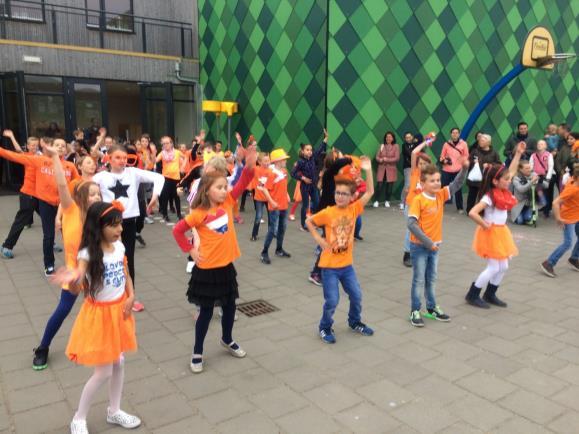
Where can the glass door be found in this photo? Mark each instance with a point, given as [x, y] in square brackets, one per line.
[87, 107]
[157, 110]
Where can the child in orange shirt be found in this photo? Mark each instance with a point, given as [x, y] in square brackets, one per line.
[418, 161]
[173, 162]
[260, 176]
[213, 278]
[275, 191]
[425, 225]
[73, 207]
[566, 210]
[337, 247]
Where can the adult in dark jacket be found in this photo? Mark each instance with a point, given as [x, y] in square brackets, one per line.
[522, 135]
[563, 132]
[407, 148]
[483, 154]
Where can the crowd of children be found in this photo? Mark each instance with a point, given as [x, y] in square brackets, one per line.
[100, 195]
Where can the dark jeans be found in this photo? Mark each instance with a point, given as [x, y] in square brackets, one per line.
[471, 199]
[24, 216]
[383, 191]
[243, 198]
[308, 191]
[168, 193]
[566, 244]
[358, 226]
[259, 205]
[277, 223]
[551, 192]
[64, 307]
[128, 237]
[318, 253]
[331, 278]
[47, 215]
[447, 178]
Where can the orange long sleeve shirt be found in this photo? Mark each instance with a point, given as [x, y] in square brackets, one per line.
[45, 186]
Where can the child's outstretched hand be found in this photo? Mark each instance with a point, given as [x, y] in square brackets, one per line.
[251, 156]
[238, 138]
[365, 163]
[50, 151]
[465, 163]
[63, 276]
[521, 148]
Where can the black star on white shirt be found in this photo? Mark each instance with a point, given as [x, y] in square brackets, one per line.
[119, 190]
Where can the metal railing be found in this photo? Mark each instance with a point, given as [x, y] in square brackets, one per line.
[26, 20]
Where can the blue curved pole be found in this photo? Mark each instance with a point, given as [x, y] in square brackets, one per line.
[513, 73]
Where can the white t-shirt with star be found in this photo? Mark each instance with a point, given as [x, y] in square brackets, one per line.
[114, 278]
[125, 186]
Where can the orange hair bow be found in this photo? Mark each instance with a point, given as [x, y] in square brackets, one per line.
[115, 204]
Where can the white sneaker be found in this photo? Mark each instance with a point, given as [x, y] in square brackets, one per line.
[123, 419]
[196, 368]
[401, 207]
[387, 204]
[189, 267]
[149, 220]
[235, 352]
[78, 426]
[376, 204]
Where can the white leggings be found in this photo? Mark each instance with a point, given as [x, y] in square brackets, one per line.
[115, 373]
[494, 273]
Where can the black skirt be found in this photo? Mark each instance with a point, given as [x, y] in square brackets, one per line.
[213, 286]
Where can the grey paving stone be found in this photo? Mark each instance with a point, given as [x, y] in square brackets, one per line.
[163, 411]
[385, 394]
[333, 397]
[532, 406]
[55, 416]
[424, 416]
[249, 423]
[486, 385]
[479, 413]
[366, 418]
[222, 406]
[278, 401]
[35, 396]
[537, 382]
[567, 423]
[308, 420]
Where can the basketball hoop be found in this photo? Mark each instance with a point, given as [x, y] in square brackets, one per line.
[553, 59]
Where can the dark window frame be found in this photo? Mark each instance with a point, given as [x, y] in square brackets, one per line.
[102, 11]
[7, 13]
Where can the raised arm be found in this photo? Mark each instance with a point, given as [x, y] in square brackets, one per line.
[521, 147]
[458, 181]
[10, 135]
[367, 167]
[247, 173]
[63, 192]
[15, 157]
[415, 152]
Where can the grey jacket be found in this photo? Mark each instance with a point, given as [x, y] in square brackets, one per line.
[522, 191]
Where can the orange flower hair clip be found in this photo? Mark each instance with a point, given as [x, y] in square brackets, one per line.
[115, 204]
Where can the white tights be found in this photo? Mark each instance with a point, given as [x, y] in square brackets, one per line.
[115, 373]
[494, 273]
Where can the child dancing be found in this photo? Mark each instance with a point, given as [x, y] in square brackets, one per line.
[104, 328]
[213, 278]
[337, 247]
[493, 240]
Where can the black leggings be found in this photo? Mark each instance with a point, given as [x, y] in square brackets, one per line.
[47, 215]
[142, 208]
[24, 216]
[128, 237]
[169, 192]
[202, 325]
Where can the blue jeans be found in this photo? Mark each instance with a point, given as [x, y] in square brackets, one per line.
[358, 226]
[64, 307]
[347, 277]
[277, 223]
[424, 272]
[259, 205]
[308, 191]
[525, 216]
[566, 245]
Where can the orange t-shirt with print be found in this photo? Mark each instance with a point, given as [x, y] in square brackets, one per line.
[414, 187]
[260, 178]
[277, 187]
[339, 224]
[570, 203]
[71, 235]
[218, 241]
[428, 210]
[172, 168]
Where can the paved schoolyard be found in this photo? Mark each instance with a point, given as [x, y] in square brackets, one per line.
[504, 370]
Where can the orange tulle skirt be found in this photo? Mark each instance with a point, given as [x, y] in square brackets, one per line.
[298, 192]
[100, 333]
[494, 243]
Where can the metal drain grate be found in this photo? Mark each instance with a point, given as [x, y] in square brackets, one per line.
[256, 308]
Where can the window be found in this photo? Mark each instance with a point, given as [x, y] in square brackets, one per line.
[117, 14]
[44, 105]
[25, 10]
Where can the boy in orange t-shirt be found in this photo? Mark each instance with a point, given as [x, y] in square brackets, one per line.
[566, 210]
[336, 259]
[259, 200]
[275, 192]
[425, 226]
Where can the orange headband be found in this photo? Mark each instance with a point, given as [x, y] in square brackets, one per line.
[115, 204]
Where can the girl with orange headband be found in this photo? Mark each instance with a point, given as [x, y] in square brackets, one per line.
[493, 240]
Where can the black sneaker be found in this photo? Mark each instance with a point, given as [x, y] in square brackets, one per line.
[406, 260]
[49, 271]
[547, 268]
[437, 314]
[265, 259]
[574, 262]
[282, 254]
[40, 360]
[416, 319]
[361, 328]
[358, 238]
[179, 216]
[140, 240]
[315, 279]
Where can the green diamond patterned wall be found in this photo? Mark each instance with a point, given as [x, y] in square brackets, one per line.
[424, 65]
[270, 56]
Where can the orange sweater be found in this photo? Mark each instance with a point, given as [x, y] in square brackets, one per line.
[45, 188]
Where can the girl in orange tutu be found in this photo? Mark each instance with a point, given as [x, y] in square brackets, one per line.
[493, 240]
[104, 328]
